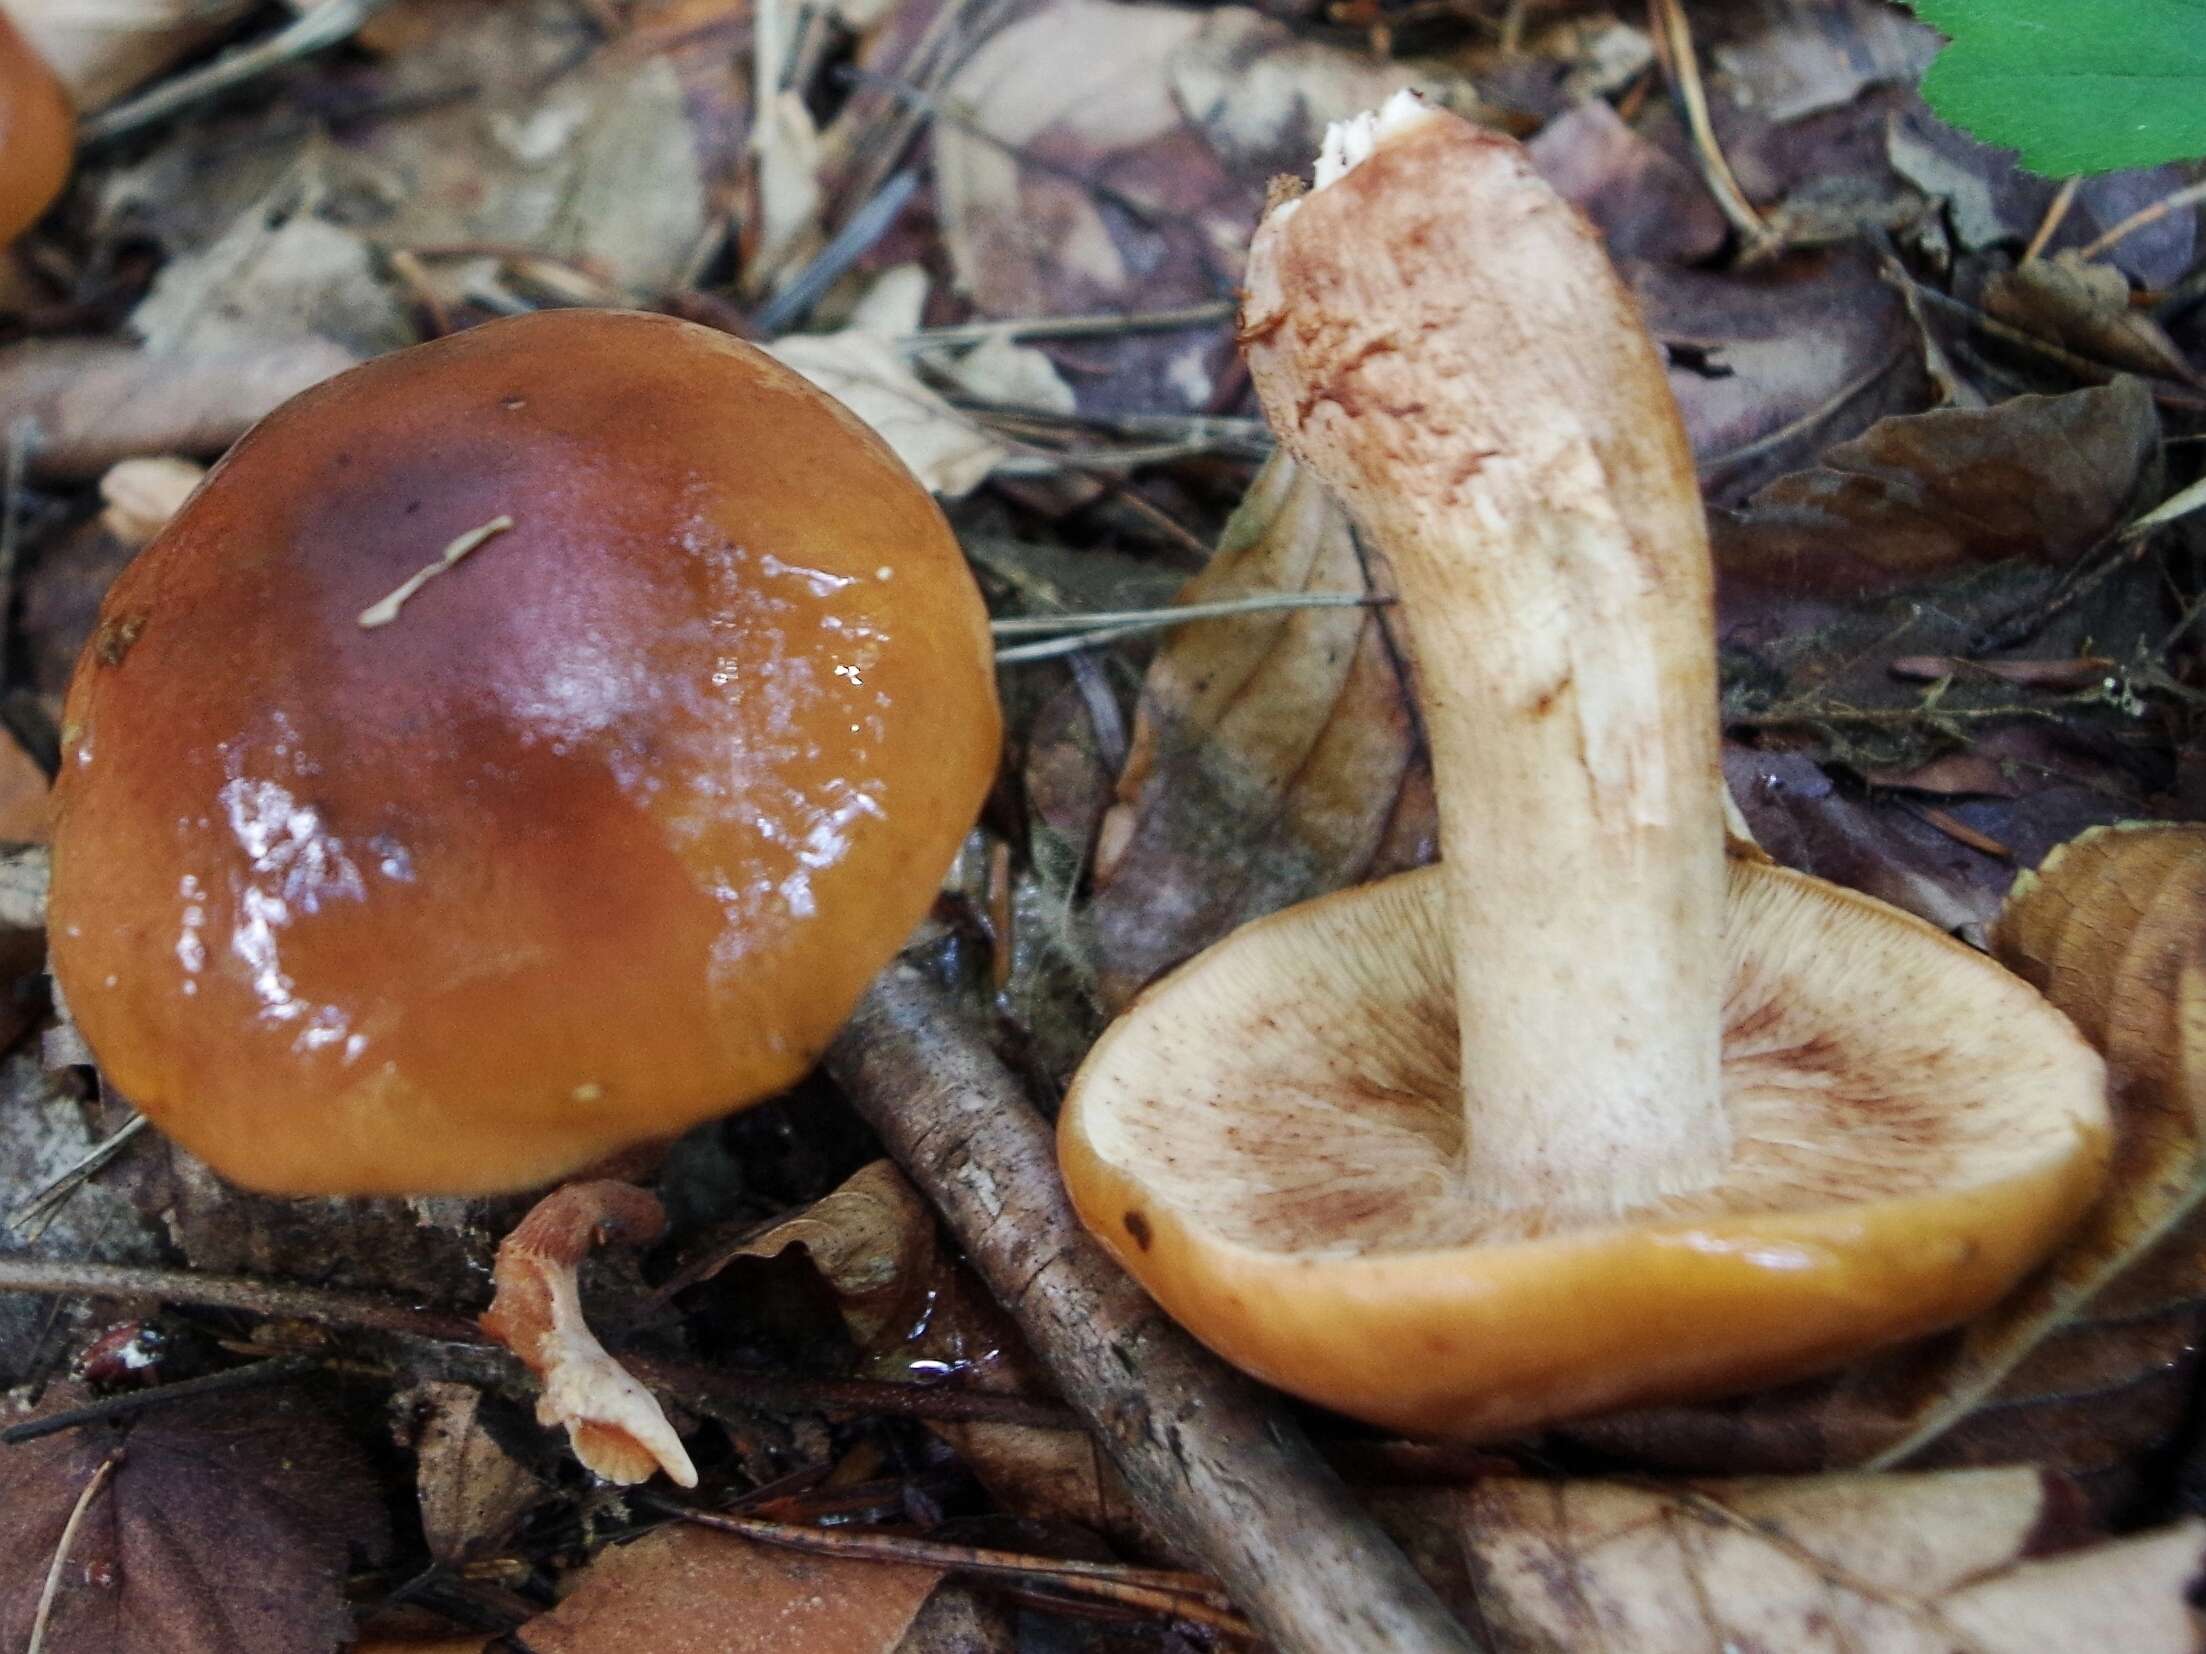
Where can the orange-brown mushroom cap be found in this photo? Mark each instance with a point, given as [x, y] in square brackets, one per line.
[601, 834]
[1270, 1141]
[37, 134]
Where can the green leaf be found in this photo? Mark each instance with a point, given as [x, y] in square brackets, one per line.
[2075, 85]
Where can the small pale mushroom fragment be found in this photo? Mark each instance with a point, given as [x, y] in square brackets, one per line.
[1589, 1115]
[616, 1427]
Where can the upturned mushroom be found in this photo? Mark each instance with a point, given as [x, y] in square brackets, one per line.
[1588, 1115]
[37, 133]
[519, 747]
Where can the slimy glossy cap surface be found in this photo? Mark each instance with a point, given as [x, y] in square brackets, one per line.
[368, 882]
[1270, 1141]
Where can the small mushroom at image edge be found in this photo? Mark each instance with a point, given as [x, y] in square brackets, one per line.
[1590, 1114]
[37, 133]
[519, 747]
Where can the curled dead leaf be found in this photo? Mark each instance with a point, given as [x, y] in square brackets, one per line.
[1755, 403]
[1645, 202]
[1091, 156]
[278, 272]
[2085, 307]
[1274, 756]
[872, 1240]
[617, 1429]
[2104, 928]
[471, 1490]
[2112, 929]
[1083, 82]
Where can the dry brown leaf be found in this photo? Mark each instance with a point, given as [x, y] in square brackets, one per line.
[1822, 54]
[614, 1423]
[2106, 929]
[471, 1490]
[1262, 93]
[1094, 156]
[1274, 755]
[945, 450]
[277, 273]
[1990, 199]
[1770, 368]
[226, 1527]
[2102, 928]
[102, 49]
[92, 403]
[1899, 1564]
[2038, 478]
[2084, 308]
[1081, 83]
[583, 155]
[1644, 201]
[687, 1590]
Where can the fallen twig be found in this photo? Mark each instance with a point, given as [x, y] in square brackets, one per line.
[1183, 1596]
[1220, 1466]
[701, 1388]
[275, 1370]
[1210, 312]
[1673, 41]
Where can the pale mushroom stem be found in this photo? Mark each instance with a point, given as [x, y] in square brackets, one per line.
[1444, 341]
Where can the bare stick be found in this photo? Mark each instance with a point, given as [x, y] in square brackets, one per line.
[77, 1278]
[701, 1388]
[274, 1370]
[1152, 1590]
[1220, 1466]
